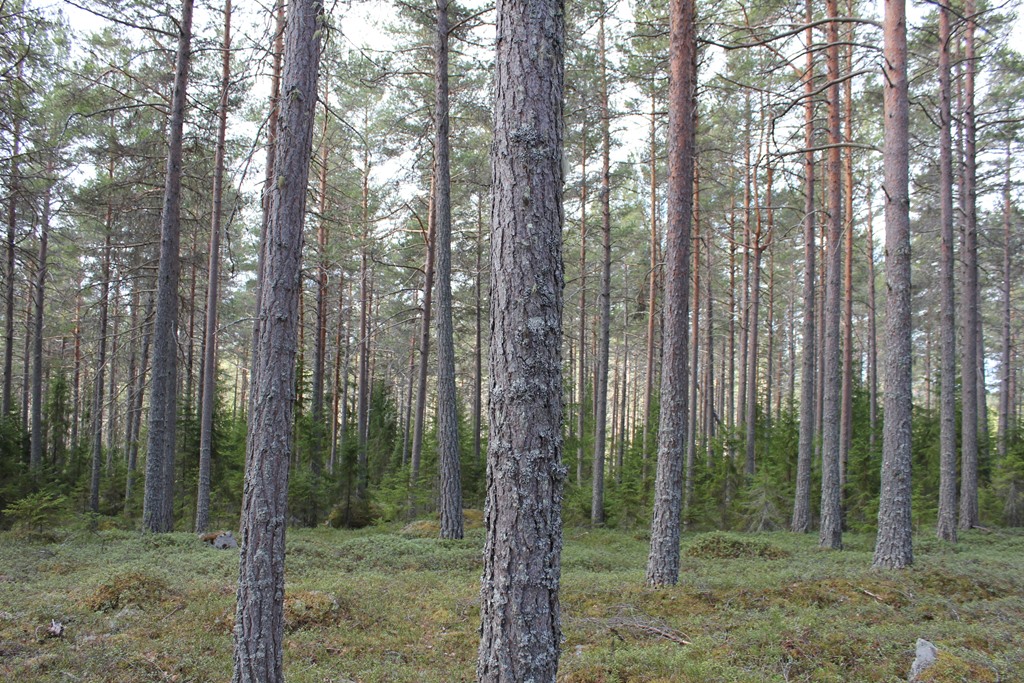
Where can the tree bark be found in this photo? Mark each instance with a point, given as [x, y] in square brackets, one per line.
[447, 411]
[259, 621]
[520, 614]
[831, 531]
[893, 546]
[663, 560]
[158, 504]
[947, 522]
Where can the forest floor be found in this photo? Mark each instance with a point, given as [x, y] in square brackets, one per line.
[388, 605]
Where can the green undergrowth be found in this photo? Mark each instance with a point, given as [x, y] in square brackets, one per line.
[400, 605]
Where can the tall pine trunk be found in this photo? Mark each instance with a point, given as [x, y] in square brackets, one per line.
[208, 396]
[158, 505]
[893, 546]
[831, 531]
[450, 502]
[947, 522]
[663, 560]
[259, 620]
[969, 301]
[801, 522]
[605, 296]
[520, 616]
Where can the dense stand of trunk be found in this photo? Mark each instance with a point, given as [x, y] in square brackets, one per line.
[259, 620]
[893, 546]
[663, 560]
[947, 522]
[158, 504]
[520, 616]
[208, 395]
[450, 499]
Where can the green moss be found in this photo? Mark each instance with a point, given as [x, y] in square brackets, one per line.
[374, 605]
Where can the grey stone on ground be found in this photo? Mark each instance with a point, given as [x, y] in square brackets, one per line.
[926, 655]
[225, 541]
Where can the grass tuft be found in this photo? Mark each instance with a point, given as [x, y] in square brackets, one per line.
[719, 546]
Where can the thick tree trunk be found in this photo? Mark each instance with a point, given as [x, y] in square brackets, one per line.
[831, 531]
[969, 302]
[259, 620]
[947, 522]
[893, 546]
[520, 614]
[801, 522]
[605, 296]
[158, 505]
[663, 560]
[450, 502]
[208, 396]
